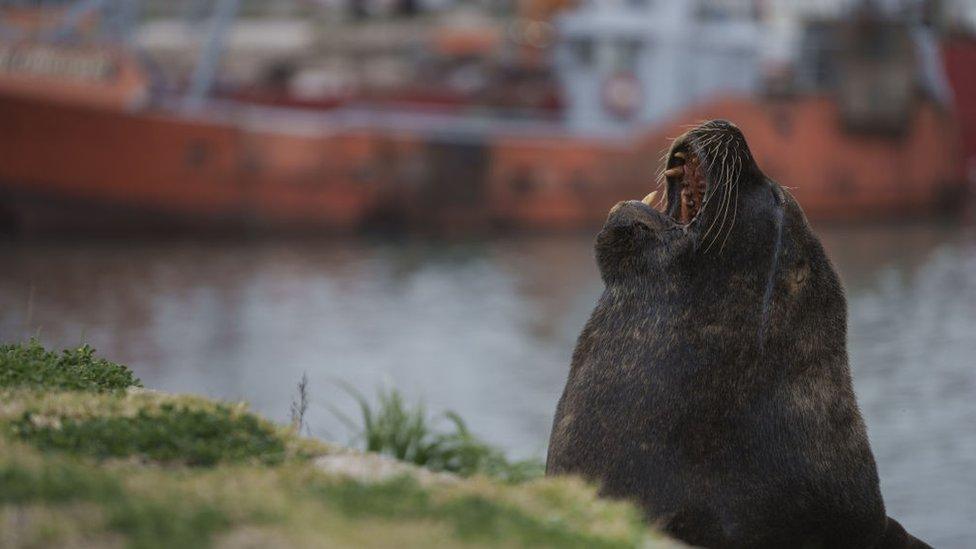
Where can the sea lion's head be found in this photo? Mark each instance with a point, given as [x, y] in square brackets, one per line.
[723, 234]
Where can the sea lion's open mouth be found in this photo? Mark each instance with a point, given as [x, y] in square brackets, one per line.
[707, 160]
[704, 171]
[684, 168]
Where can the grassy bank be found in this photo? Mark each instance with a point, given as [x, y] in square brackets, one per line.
[89, 458]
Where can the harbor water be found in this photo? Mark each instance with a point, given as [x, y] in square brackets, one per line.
[486, 328]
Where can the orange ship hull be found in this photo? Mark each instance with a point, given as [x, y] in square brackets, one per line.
[210, 170]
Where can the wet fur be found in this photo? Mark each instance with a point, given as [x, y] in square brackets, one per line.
[711, 384]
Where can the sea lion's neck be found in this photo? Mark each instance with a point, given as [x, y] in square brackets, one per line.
[709, 296]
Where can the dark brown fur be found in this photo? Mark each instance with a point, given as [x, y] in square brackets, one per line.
[711, 383]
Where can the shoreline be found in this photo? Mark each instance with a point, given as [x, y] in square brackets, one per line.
[88, 458]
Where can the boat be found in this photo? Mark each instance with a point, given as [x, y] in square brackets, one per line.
[84, 143]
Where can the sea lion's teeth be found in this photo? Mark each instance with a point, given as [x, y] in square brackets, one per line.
[650, 198]
[680, 155]
[675, 171]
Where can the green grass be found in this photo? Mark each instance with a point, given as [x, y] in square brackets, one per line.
[31, 366]
[159, 524]
[408, 433]
[55, 482]
[170, 434]
[472, 517]
[84, 463]
[147, 523]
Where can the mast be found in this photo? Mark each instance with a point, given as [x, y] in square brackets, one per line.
[206, 70]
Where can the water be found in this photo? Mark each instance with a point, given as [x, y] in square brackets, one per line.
[487, 329]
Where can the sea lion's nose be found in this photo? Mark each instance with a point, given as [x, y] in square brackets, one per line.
[630, 211]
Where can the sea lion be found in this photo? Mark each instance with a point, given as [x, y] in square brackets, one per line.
[710, 385]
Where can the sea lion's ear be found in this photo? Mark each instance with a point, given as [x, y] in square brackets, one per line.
[798, 275]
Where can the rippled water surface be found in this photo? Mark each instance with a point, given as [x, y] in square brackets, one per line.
[487, 329]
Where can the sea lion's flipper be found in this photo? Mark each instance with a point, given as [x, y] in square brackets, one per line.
[895, 537]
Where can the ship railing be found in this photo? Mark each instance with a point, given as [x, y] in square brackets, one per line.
[476, 124]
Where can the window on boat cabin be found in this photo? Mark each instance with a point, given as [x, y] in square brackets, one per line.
[627, 54]
[583, 51]
[726, 10]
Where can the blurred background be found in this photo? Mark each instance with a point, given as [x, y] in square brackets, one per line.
[226, 194]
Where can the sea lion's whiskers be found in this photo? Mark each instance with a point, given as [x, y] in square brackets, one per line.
[710, 159]
[696, 125]
[715, 190]
[703, 137]
[728, 178]
[709, 140]
[663, 163]
[659, 180]
[731, 202]
[715, 225]
[665, 155]
[719, 221]
[709, 149]
[725, 182]
[735, 206]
